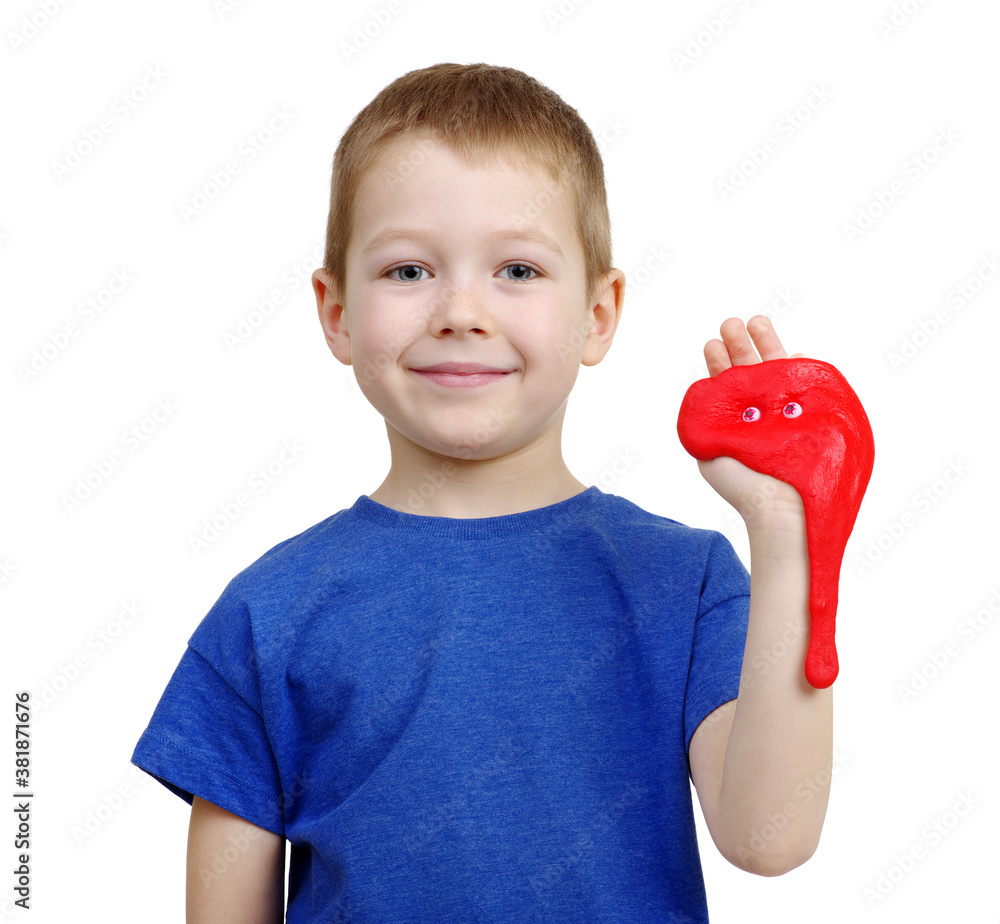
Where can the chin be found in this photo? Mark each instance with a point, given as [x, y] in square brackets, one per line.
[468, 450]
[452, 444]
[486, 436]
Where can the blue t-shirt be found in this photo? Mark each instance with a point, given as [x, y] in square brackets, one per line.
[466, 720]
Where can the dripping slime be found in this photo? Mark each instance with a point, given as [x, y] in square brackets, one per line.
[799, 421]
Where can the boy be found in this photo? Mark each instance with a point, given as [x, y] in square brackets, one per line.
[479, 693]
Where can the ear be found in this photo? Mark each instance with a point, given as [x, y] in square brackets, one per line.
[606, 312]
[331, 315]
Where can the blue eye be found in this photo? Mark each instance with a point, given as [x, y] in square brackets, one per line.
[792, 409]
[751, 414]
[524, 268]
[408, 269]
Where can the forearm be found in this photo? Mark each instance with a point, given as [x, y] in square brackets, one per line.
[775, 781]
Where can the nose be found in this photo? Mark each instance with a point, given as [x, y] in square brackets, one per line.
[461, 311]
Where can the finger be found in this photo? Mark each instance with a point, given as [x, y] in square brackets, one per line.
[716, 357]
[737, 340]
[765, 338]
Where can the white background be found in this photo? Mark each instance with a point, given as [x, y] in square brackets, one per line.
[673, 124]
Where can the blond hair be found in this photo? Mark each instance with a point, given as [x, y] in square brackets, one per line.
[485, 113]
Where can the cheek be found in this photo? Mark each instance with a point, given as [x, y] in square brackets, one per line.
[384, 331]
[550, 338]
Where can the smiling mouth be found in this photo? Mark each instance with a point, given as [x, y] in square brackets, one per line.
[462, 375]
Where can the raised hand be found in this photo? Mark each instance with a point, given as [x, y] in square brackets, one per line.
[798, 421]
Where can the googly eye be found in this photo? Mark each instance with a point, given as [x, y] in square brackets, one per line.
[751, 414]
[792, 409]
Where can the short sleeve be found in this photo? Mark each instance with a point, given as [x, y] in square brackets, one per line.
[719, 636]
[207, 736]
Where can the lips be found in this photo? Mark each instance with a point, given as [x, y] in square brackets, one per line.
[461, 375]
[461, 369]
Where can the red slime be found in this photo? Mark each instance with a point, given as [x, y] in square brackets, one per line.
[800, 422]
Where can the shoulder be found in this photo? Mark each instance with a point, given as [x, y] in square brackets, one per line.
[626, 519]
[299, 556]
[662, 548]
[284, 572]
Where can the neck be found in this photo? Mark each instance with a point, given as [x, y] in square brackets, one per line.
[432, 484]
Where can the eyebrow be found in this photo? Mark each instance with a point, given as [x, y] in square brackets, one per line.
[514, 235]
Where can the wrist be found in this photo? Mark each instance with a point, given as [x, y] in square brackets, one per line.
[778, 529]
[776, 506]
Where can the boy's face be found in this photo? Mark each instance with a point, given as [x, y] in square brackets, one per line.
[465, 312]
